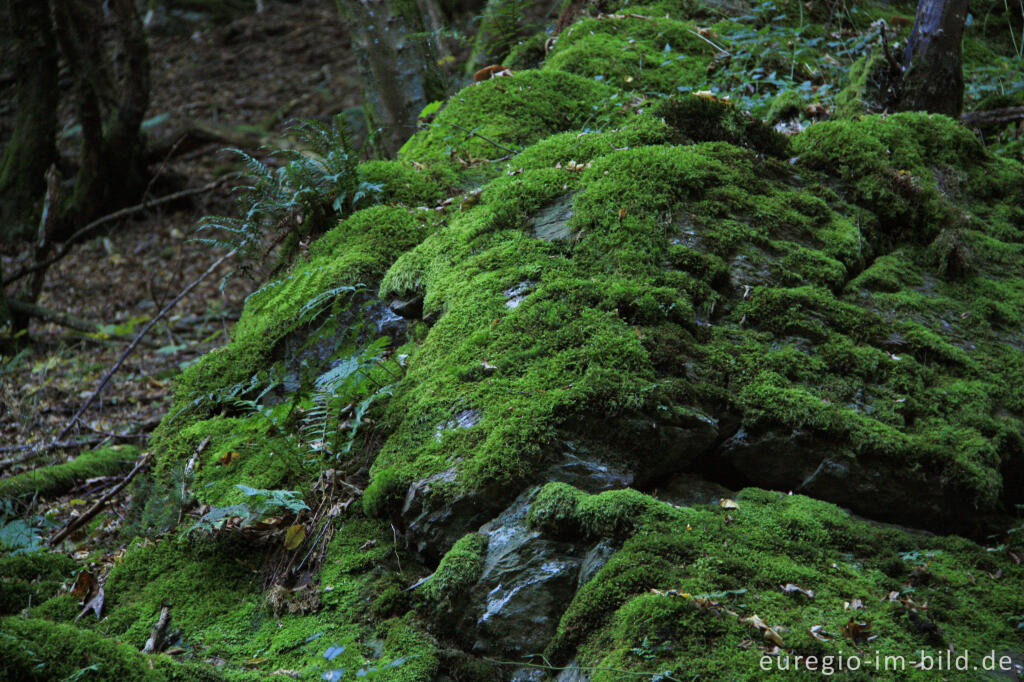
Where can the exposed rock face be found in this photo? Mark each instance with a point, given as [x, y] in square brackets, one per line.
[527, 583]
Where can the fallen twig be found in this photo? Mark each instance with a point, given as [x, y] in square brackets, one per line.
[78, 521]
[473, 133]
[37, 449]
[59, 318]
[993, 116]
[166, 309]
[123, 213]
[156, 636]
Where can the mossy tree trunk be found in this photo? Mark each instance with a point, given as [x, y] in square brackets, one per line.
[32, 147]
[398, 59]
[111, 98]
[933, 75]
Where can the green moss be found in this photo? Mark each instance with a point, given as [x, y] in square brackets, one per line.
[676, 595]
[699, 118]
[867, 89]
[410, 652]
[32, 578]
[385, 493]
[32, 649]
[651, 56]
[62, 608]
[894, 164]
[459, 568]
[626, 269]
[512, 112]
[58, 478]
[403, 183]
[787, 106]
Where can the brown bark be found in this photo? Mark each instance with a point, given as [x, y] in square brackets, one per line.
[32, 147]
[933, 75]
[398, 58]
[111, 98]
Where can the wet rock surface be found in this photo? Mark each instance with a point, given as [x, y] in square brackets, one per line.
[526, 584]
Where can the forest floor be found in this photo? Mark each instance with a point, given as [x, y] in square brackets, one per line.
[245, 77]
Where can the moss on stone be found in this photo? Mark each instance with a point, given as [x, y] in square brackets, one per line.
[627, 269]
[633, 53]
[686, 578]
[700, 118]
[403, 183]
[459, 568]
[513, 112]
[33, 649]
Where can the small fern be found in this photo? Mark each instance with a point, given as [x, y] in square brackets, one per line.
[305, 196]
[340, 399]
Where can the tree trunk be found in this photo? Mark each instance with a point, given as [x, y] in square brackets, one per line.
[32, 147]
[933, 78]
[111, 98]
[398, 59]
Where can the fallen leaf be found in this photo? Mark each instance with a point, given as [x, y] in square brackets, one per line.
[84, 586]
[95, 604]
[767, 632]
[790, 588]
[491, 72]
[230, 457]
[294, 536]
[853, 605]
[858, 632]
[818, 632]
[726, 503]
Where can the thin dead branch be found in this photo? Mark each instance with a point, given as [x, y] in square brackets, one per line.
[99, 222]
[79, 521]
[117, 365]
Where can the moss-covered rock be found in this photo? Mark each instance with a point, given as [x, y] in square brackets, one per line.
[692, 589]
[32, 649]
[596, 293]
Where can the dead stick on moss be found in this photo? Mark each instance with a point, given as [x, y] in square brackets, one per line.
[190, 469]
[473, 133]
[77, 522]
[156, 636]
[123, 213]
[166, 309]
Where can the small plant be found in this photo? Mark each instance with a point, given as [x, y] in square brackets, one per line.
[22, 535]
[304, 197]
[263, 503]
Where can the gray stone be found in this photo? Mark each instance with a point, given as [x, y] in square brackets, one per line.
[552, 221]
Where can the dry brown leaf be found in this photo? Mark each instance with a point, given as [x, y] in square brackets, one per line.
[95, 604]
[84, 586]
[857, 632]
[229, 458]
[767, 631]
